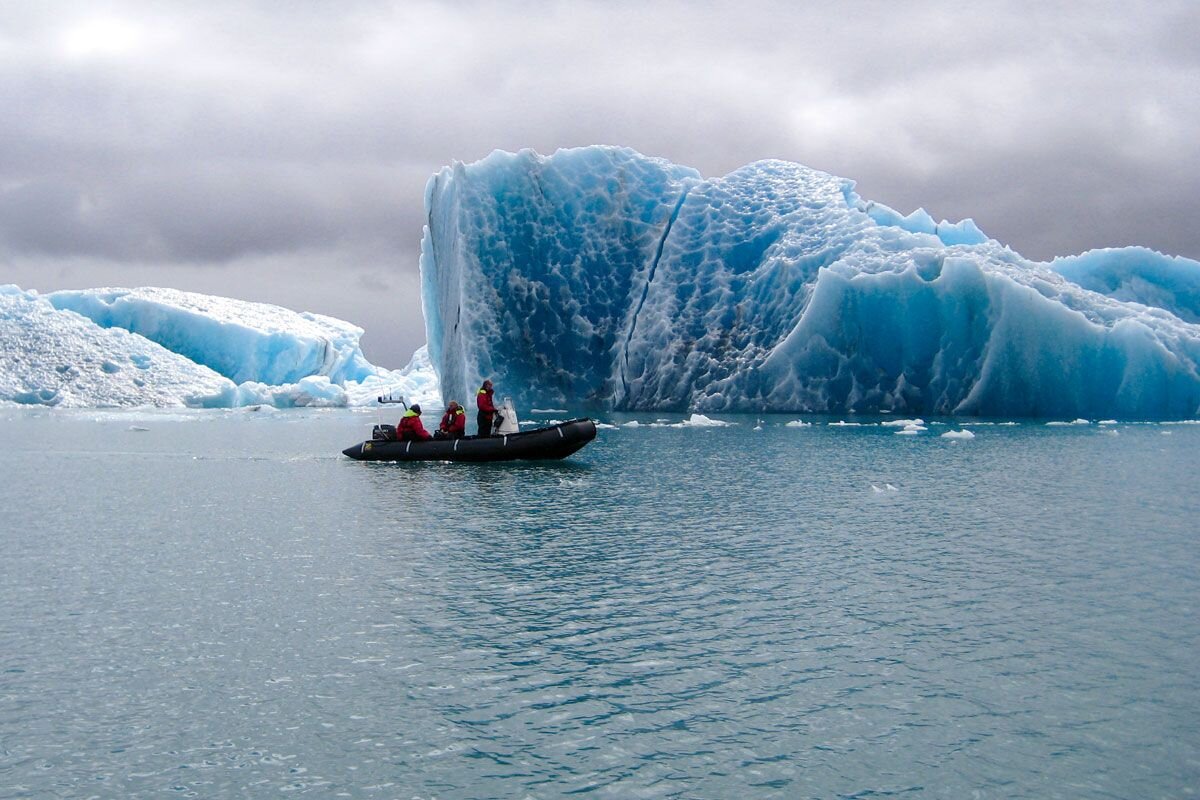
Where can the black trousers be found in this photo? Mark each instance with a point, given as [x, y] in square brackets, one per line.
[484, 419]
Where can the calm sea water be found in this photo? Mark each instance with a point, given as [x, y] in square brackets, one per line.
[220, 605]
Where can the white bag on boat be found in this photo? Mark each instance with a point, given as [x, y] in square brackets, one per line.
[508, 418]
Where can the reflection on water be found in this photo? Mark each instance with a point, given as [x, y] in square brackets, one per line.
[222, 608]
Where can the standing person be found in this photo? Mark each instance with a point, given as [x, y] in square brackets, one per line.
[454, 422]
[487, 408]
[410, 427]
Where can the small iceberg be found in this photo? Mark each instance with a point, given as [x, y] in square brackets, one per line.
[701, 421]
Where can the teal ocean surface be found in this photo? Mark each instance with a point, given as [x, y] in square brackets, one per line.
[219, 604]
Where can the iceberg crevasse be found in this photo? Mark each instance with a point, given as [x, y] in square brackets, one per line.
[601, 276]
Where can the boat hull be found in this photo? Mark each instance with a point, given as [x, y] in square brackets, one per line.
[554, 442]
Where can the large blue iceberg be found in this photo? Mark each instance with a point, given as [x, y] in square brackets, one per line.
[599, 276]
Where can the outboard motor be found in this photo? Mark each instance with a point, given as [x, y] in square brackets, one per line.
[383, 432]
[508, 418]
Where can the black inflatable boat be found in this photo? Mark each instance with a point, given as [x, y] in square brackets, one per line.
[556, 441]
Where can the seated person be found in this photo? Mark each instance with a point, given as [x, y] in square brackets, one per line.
[454, 422]
[410, 427]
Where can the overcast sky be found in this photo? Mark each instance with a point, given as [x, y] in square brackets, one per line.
[279, 151]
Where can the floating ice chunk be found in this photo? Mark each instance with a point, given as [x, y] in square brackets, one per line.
[633, 423]
[161, 347]
[701, 421]
[797, 423]
[1107, 422]
[963, 434]
[886, 488]
[547, 411]
[844, 424]
[1079, 421]
[901, 423]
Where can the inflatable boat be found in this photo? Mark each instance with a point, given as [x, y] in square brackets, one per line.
[555, 441]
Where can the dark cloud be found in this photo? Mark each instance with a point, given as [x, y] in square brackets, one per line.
[280, 154]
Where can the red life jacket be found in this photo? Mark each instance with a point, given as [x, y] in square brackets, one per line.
[454, 424]
[410, 428]
[483, 400]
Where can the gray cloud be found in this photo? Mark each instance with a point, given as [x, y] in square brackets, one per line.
[281, 154]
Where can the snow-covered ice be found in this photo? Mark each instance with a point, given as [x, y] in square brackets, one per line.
[162, 347]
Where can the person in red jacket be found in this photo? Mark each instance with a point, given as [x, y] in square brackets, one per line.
[410, 427]
[487, 408]
[454, 422]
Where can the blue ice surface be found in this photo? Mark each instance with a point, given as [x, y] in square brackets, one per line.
[245, 347]
[603, 277]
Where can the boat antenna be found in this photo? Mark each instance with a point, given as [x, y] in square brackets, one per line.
[389, 399]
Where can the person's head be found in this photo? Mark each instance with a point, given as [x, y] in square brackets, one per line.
[487, 384]
[416, 409]
[453, 406]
